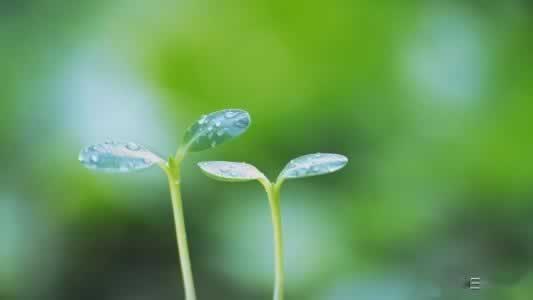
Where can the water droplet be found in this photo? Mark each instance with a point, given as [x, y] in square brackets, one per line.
[218, 123]
[210, 128]
[94, 158]
[132, 146]
[230, 114]
[242, 123]
[220, 132]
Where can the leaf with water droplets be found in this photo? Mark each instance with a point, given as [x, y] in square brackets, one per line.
[313, 165]
[230, 171]
[117, 157]
[216, 128]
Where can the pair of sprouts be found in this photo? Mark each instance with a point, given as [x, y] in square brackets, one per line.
[210, 131]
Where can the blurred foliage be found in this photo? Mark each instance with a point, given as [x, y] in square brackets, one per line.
[430, 101]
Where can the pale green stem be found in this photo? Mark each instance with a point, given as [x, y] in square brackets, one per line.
[173, 174]
[274, 200]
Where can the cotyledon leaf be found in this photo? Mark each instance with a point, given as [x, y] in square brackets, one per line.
[230, 171]
[117, 157]
[216, 128]
[313, 165]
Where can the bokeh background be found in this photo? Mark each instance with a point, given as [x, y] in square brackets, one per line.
[432, 103]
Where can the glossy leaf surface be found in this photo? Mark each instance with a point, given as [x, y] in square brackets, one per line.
[117, 157]
[216, 128]
[313, 165]
[230, 171]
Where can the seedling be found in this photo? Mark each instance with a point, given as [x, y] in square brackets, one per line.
[303, 166]
[209, 131]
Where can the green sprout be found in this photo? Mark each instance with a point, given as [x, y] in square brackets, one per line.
[208, 132]
[303, 166]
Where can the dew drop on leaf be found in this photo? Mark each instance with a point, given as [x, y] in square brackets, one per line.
[230, 114]
[242, 123]
[132, 146]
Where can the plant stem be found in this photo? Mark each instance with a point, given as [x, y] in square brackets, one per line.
[274, 200]
[173, 174]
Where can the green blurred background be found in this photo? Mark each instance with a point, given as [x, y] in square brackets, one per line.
[431, 102]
